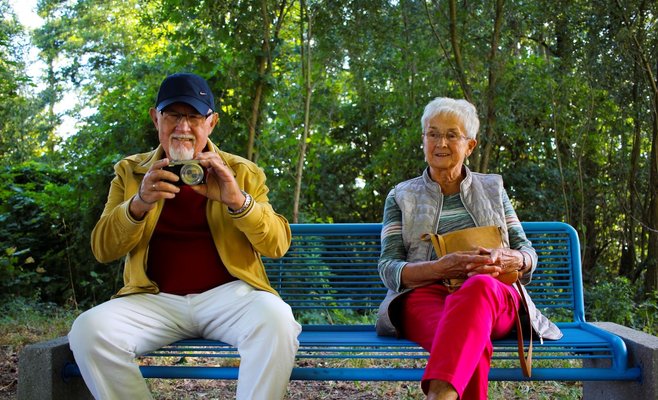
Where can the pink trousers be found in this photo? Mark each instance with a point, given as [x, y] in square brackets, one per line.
[457, 330]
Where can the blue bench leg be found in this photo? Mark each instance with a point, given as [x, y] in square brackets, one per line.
[40, 373]
[643, 351]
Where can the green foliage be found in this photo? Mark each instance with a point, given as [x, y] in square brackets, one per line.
[26, 127]
[566, 111]
[27, 229]
[617, 301]
[335, 317]
[39, 237]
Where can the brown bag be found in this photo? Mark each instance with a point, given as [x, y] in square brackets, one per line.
[469, 239]
[488, 237]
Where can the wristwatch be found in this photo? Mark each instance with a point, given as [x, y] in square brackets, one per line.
[247, 202]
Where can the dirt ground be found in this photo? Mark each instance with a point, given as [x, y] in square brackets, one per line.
[8, 373]
[185, 389]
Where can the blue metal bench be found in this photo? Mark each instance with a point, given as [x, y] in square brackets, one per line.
[329, 277]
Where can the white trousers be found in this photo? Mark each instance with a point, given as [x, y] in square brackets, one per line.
[105, 339]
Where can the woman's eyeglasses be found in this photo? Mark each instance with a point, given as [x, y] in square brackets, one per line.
[450, 137]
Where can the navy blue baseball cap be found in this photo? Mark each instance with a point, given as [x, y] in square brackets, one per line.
[186, 88]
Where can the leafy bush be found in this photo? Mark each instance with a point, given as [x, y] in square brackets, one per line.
[615, 301]
[336, 316]
[44, 236]
[30, 239]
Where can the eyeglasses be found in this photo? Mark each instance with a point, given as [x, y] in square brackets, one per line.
[175, 118]
[450, 137]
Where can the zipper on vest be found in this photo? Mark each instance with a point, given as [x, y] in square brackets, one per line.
[437, 218]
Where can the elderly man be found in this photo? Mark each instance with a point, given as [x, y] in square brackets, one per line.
[192, 222]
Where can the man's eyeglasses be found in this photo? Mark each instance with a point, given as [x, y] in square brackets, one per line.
[450, 137]
[175, 118]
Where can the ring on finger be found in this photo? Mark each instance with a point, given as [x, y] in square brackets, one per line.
[153, 186]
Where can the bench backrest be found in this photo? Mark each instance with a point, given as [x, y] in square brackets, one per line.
[330, 271]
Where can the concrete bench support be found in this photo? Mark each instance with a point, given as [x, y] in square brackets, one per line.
[39, 376]
[643, 351]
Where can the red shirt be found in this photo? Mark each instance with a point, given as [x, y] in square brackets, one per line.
[182, 257]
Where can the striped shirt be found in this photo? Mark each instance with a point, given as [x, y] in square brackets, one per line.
[454, 216]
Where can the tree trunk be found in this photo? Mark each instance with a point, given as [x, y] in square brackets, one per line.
[461, 73]
[255, 108]
[627, 262]
[457, 54]
[263, 67]
[410, 62]
[651, 277]
[490, 108]
[308, 91]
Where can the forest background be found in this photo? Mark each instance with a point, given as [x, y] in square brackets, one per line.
[326, 96]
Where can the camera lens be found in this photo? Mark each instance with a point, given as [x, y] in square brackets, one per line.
[191, 174]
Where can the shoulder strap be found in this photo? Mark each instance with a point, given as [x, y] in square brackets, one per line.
[526, 361]
[439, 244]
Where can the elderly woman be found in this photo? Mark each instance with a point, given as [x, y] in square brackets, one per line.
[457, 327]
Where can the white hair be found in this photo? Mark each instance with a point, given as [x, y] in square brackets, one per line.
[460, 108]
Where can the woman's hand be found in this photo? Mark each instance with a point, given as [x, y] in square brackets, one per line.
[455, 265]
[503, 260]
[460, 263]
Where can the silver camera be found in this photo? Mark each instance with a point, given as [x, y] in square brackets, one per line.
[190, 172]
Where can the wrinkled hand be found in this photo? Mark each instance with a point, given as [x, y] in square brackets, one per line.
[156, 185]
[503, 260]
[458, 265]
[220, 183]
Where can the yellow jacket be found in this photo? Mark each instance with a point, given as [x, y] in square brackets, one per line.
[239, 240]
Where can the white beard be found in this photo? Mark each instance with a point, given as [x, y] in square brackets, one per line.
[179, 151]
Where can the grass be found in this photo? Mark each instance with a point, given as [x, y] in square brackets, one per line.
[328, 390]
[23, 322]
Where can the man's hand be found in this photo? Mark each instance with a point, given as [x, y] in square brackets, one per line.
[156, 185]
[220, 183]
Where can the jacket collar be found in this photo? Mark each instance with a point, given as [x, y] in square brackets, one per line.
[149, 160]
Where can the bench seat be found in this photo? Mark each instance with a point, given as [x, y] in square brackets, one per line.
[329, 277]
[360, 341]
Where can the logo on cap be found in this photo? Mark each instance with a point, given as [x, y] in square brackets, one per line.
[186, 88]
